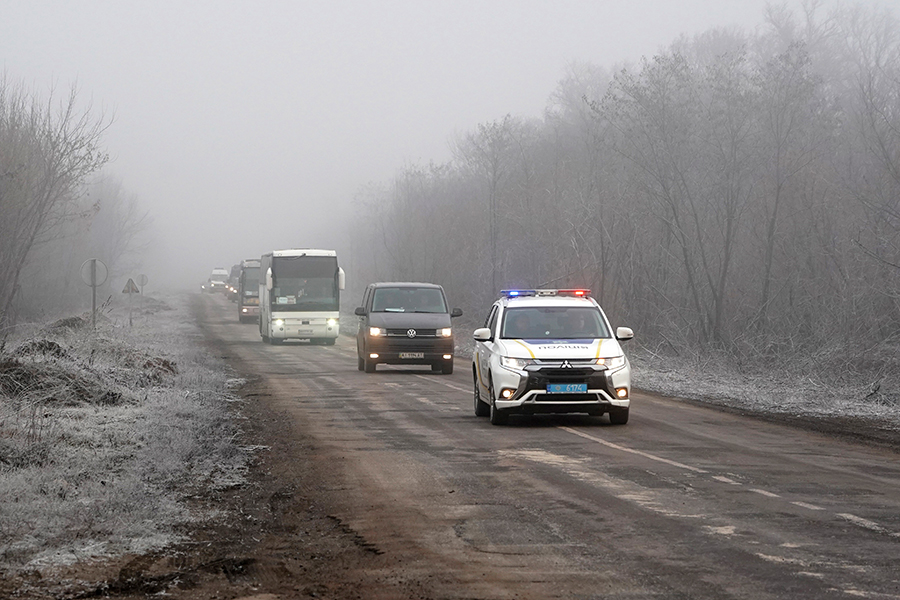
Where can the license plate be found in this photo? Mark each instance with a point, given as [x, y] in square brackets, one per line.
[304, 331]
[566, 388]
[412, 355]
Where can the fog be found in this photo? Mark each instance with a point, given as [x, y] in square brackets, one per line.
[243, 126]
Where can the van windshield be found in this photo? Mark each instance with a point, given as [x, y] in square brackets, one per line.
[409, 299]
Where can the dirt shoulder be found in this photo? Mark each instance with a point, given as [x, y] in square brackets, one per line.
[273, 537]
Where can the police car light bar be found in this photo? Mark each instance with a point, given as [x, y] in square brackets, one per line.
[518, 293]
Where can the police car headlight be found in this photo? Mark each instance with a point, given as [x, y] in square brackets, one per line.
[515, 364]
[613, 362]
[377, 331]
[445, 332]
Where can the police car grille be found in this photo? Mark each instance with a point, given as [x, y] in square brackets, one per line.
[565, 374]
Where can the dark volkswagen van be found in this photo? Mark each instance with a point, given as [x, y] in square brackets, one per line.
[405, 323]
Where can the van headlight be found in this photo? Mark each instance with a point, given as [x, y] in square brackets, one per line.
[515, 364]
[612, 362]
[377, 331]
[445, 332]
[332, 322]
[279, 322]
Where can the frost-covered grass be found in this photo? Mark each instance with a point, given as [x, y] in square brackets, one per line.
[104, 435]
[825, 385]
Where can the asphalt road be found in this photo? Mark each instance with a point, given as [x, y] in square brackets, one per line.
[682, 502]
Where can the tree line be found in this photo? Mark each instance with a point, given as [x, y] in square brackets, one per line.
[737, 192]
[57, 208]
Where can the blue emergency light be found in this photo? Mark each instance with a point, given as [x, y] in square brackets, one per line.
[573, 292]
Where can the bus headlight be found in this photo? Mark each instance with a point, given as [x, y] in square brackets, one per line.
[332, 322]
[279, 322]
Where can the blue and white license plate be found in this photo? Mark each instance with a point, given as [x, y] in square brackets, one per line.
[566, 388]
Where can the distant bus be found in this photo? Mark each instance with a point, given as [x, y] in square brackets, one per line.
[300, 295]
[248, 291]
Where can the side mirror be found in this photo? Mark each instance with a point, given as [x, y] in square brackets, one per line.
[456, 312]
[624, 334]
[360, 311]
[482, 334]
[342, 279]
[269, 283]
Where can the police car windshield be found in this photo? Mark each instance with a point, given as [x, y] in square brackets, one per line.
[409, 299]
[556, 323]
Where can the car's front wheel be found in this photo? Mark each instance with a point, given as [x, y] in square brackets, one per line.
[498, 416]
[618, 416]
[482, 408]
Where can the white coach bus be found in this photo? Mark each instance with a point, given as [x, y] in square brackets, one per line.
[300, 295]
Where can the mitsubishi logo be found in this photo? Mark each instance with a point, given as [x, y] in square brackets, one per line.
[411, 333]
[566, 365]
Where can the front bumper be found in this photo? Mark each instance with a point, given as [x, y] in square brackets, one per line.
[303, 328]
[530, 394]
[406, 351]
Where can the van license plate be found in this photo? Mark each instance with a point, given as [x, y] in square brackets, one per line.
[412, 355]
[566, 388]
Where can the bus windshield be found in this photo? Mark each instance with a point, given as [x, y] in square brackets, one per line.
[250, 277]
[305, 283]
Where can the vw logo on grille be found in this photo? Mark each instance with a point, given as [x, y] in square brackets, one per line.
[411, 333]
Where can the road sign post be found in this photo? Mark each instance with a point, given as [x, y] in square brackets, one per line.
[130, 288]
[94, 274]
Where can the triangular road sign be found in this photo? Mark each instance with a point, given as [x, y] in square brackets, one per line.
[131, 288]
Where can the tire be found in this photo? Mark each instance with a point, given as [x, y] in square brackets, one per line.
[618, 416]
[447, 367]
[275, 341]
[368, 365]
[330, 341]
[360, 363]
[498, 416]
[436, 367]
[482, 409]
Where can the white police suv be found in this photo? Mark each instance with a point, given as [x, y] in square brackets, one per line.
[550, 351]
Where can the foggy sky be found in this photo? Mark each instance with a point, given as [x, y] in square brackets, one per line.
[245, 126]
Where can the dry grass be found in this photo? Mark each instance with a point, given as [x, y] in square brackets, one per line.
[103, 436]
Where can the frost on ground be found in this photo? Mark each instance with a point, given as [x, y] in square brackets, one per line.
[807, 387]
[105, 435]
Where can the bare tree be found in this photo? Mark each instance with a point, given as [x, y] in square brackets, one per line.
[47, 149]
